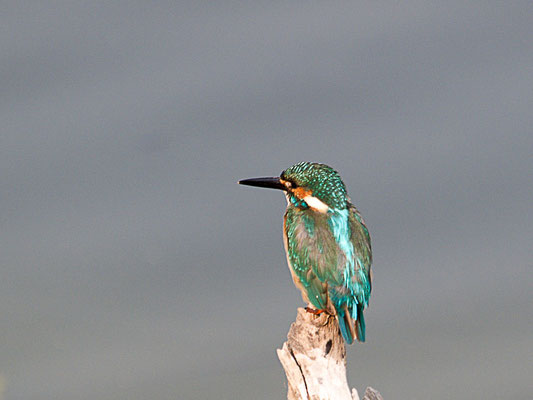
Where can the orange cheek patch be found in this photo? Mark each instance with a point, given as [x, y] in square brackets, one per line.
[301, 192]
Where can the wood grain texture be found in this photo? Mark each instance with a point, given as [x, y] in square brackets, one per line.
[314, 360]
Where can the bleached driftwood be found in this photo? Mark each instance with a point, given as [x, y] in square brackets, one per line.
[314, 359]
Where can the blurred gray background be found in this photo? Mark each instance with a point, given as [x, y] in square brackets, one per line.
[134, 267]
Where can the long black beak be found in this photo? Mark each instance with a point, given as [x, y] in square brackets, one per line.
[271, 183]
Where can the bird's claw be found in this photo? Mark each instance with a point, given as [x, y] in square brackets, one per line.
[314, 311]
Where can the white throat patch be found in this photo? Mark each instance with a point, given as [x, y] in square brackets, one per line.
[316, 204]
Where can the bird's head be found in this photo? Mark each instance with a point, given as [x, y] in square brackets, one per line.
[308, 185]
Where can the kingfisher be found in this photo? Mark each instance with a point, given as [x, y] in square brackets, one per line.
[326, 242]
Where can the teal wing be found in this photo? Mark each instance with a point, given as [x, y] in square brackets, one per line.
[352, 294]
[360, 239]
[361, 282]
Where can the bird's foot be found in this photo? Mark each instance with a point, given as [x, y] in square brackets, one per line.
[314, 311]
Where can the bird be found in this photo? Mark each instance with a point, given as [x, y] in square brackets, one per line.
[327, 244]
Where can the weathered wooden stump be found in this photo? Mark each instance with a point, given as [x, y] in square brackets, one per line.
[314, 359]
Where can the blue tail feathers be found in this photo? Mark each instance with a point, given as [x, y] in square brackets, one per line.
[346, 325]
[360, 324]
[345, 330]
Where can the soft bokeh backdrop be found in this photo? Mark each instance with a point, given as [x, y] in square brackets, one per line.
[133, 266]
